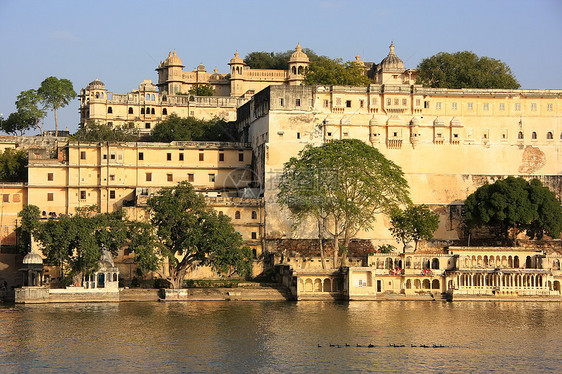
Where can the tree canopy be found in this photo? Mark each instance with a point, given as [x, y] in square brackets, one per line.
[76, 242]
[29, 216]
[414, 223]
[517, 205]
[56, 93]
[344, 184]
[465, 70]
[274, 60]
[187, 129]
[190, 234]
[328, 71]
[13, 165]
[94, 132]
[202, 90]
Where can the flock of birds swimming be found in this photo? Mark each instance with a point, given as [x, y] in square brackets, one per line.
[389, 345]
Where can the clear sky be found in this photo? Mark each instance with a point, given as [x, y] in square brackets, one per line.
[122, 42]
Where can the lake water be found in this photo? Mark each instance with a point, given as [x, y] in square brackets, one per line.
[281, 337]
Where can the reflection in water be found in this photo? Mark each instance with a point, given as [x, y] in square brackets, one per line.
[273, 337]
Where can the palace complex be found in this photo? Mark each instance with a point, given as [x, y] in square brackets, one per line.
[448, 142]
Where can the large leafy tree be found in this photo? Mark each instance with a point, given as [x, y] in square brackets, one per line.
[30, 218]
[17, 123]
[191, 234]
[202, 90]
[465, 70]
[76, 242]
[343, 184]
[414, 223]
[515, 205]
[328, 71]
[178, 128]
[95, 132]
[56, 93]
[29, 106]
[274, 60]
[13, 165]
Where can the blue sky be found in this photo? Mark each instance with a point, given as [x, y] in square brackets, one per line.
[121, 42]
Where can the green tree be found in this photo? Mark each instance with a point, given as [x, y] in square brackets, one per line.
[191, 234]
[29, 105]
[414, 223]
[17, 123]
[202, 90]
[513, 204]
[345, 183]
[465, 70]
[76, 242]
[94, 132]
[13, 165]
[56, 93]
[176, 128]
[334, 72]
[274, 60]
[30, 217]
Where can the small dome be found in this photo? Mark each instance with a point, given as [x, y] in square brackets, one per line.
[299, 55]
[391, 61]
[358, 61]
[96, 84]
[236, 59]
[32, 258]
[201, 67]
[173, 59]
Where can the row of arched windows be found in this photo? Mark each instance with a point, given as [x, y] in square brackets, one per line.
[237, 214]
[425, 284]
[424, 263]
[549, 135]
[143, 111]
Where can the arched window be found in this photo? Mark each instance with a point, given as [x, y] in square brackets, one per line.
[97, 95]
[294, 70]
[147, 110]
[534, 135]
[301, 69]
[109, 109]
[520, 135]
[142, 110]
[165, 111]
[254, 214]
[147, 97]
[237, 215]
[435, 263]
[152, 97]
[549, 135]
[130, 110]
[152, 111]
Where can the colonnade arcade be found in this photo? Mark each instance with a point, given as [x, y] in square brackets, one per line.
[320, 284]
[535, 283]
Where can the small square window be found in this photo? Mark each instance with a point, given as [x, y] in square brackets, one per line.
[50, 177]
[190, 177]
[50, 196]
[348, 103]
[168, 156]
[112, 177]
[502, 106]
[549, 107]
[105, 157]
[396, 101]
[298, 135]
[388, 102]
[486, 106]
[298, 102]
[170, 177]
[141, 156]
[201, 157]
[211, 177]
[469, 106]
[418, 102]
[404, 102]
[82, 155]
[82, 195]
[6, 197]
[112, 194]
[533, 107]
[438, 106]
[254, 235]
[113, 156]
[326, 103]
[240, 157]
[147, 125]
[454, 106]
[149, 177]
[517, 106]
[281, 102]
[17, 198]
[181, 157]
[361, 103]
[426, 104]
[221, 157]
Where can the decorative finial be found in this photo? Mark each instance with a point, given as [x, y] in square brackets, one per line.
[392, 47]
[299, 48]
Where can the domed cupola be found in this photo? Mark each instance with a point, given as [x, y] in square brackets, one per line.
[32, 258]
[299, 56]
[391, 62]
[298, 63]
[173, 60]
[96, 84]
